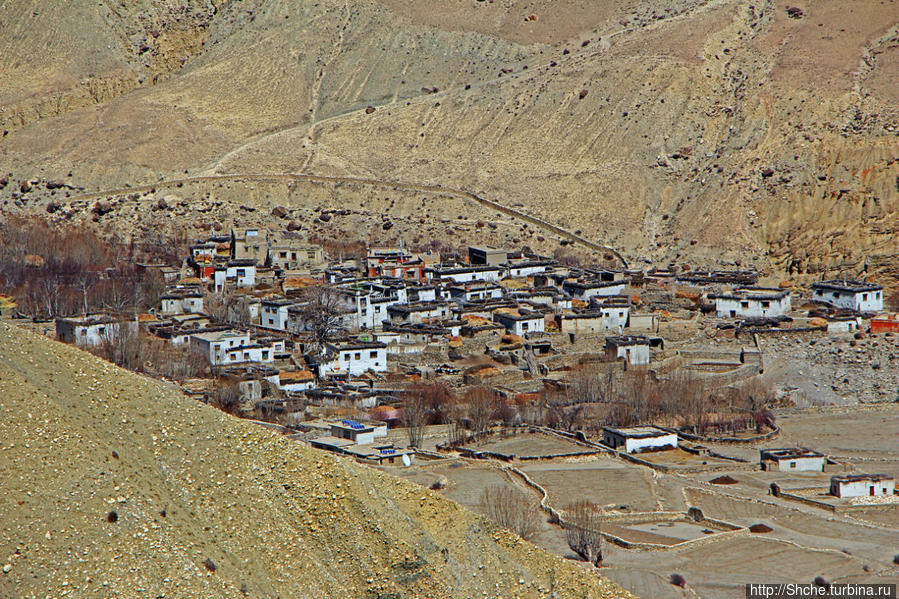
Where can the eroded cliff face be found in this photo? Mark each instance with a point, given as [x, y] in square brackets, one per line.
[725, 131]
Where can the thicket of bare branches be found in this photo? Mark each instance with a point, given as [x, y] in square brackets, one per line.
[480, 401]
[426, 404]
[513, 510]
[226, 397]
[63, 272]
[322, 312]
[582, 531]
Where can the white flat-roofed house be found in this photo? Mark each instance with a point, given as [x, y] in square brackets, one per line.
[182, 301]
[639, 438]
[528, 268]
[353, 358]
[520, 322]
[475, 293]
[215, 345]
[633, 349]
[273, 313]
[93, 329]
[295, 381]
[752, 302]
[858, 296]
[240, 273]
[584, 289]
[464, 274]
[792, 459]
[862, 485]
[419, 312]
[254, 352]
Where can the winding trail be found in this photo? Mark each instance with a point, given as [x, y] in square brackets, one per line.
[382, 183]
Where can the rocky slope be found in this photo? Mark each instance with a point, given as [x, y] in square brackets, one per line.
[116, 485]
[702, 130]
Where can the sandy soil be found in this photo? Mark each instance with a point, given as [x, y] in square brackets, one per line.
[115, 485]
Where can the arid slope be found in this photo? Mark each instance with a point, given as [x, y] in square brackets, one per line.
[698, 130]
[80, 439]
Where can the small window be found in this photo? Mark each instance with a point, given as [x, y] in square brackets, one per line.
[346, 357]
[524, 326]
[283, 254]
[744, 305]
[357, 356]
[792, 464]
[373, 354]
[864, 297]
[766, 304]
[265, 355]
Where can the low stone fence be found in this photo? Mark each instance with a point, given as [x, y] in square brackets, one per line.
[725, 440]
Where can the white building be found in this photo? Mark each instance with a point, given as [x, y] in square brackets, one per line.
[419, 312]
[354, 358]
[182, 301]
[464, 274]
[529, 268]
[240, 273]
[358, 433]
[634, 349]
[273, 313]
[215, 345]
[585, 289]
[475, 293]
[295, 381]
[93, 329]
[639, 438]
[752, 302]
[851, 295]
[521, 323]
[792, 459]
[862, 485]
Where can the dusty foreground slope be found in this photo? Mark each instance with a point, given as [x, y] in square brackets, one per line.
[190, 484]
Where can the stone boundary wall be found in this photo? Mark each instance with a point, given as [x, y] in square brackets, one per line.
[725, 440]
[838, 509]
[730, 529]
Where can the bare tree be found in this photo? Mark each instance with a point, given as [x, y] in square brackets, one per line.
[512, 509]
[226, 397]
[122, 345]
[426, 403]
[480, 402]
[582, 531]
[592, 383]
[324, 306]
[415, 416]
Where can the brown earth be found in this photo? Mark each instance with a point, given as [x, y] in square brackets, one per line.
[713, 131]
[112, 484]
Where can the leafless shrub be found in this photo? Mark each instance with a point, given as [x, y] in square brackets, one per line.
[582, 531]
[677, 580]
[226, 397]
[512, 509]
[480, 401]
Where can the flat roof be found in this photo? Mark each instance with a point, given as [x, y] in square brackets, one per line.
[594, 284]
[345, 345]
[638, 432]
[219, 335]
[851, 285]
[790, 453]
[753, 293]
[851, 478]
[627, 340]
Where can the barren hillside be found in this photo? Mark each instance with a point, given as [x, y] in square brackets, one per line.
[208, 506]
[717, 131]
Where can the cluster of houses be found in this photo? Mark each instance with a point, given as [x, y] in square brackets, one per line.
[269, 309]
